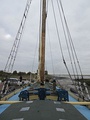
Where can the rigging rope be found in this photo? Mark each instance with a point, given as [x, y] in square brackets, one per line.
[60, 41]
[13, 53]
[57, 30]
[47, 6]
[67, 44]
[61, 45]
[50, 49]
[71, 42]
[79, 87]
[14, 50]
[66, 38]
[34, 55]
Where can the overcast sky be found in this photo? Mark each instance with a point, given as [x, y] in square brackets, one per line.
[78, 18]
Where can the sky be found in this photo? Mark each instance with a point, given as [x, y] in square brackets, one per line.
[78, 18]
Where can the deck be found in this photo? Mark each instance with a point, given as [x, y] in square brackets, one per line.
[41, 110]
[49, 109]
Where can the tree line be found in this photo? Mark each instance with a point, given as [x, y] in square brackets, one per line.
[18, 73]
[14, 73]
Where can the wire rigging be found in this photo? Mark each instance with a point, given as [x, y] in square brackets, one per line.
[34, 56]
[57, 30]
[71, 42]
[60, 41]
[66, 38]
[50, 49]
[78, 85]
[13, 53]
[11, 59]
[67, 46]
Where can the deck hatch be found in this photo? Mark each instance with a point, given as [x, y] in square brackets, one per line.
[29, 102]
[56, 102]
[62, 119]
[18, 119]
[25, 109]
[60, 109]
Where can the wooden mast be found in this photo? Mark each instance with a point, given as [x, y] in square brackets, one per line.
[42, 43]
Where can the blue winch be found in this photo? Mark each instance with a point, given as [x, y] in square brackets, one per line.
[62, 94]
[24, 95]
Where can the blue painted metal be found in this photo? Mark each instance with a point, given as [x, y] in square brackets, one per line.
[42, 92]
[36, 93]
[82, 109]
[62, 95]
[23, 95]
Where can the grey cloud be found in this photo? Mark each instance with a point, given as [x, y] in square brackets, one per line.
[78, 17]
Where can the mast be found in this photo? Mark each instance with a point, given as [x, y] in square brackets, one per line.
[42, 43]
